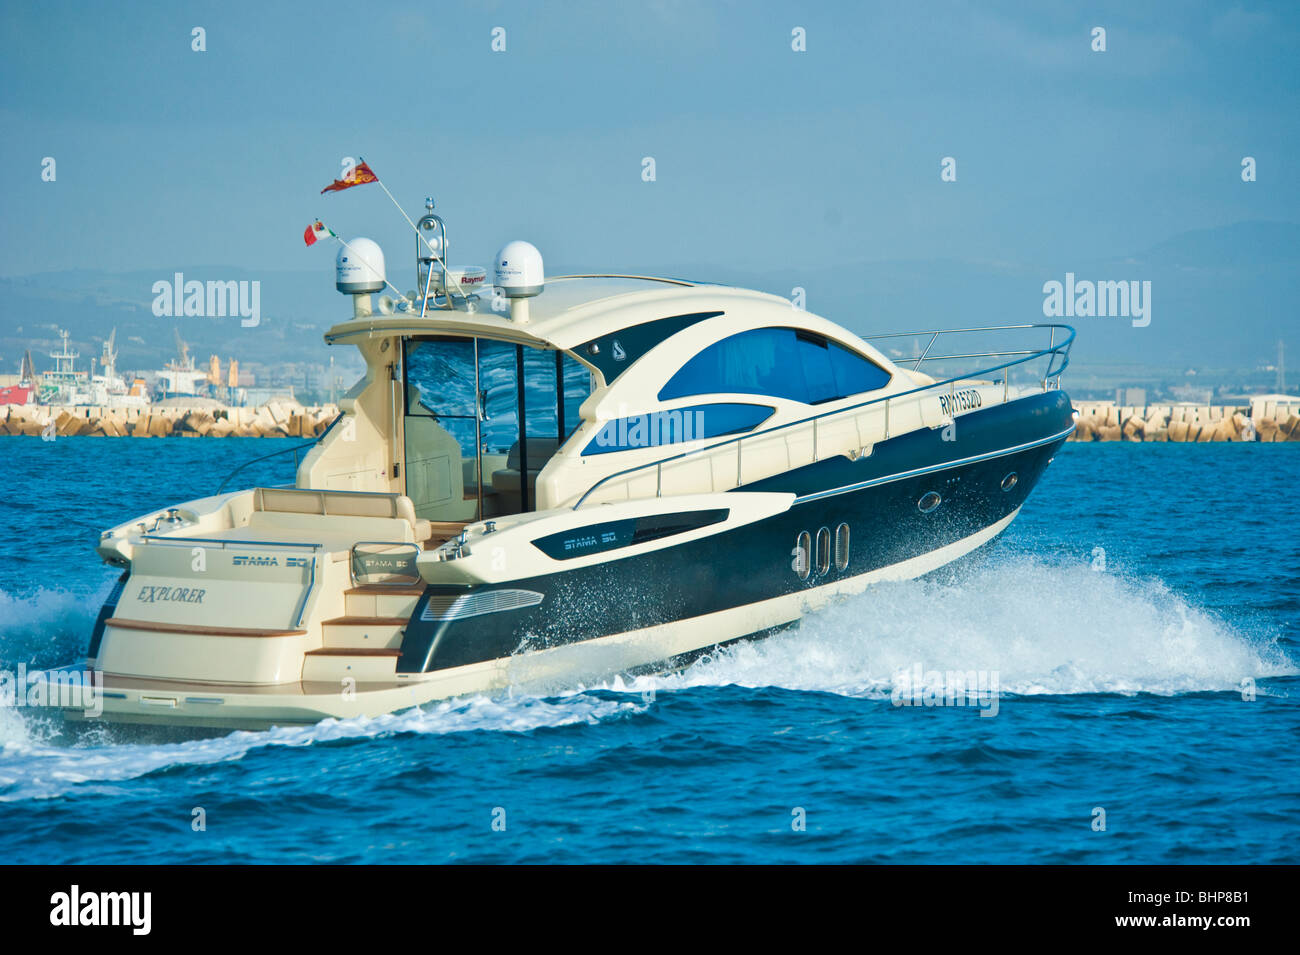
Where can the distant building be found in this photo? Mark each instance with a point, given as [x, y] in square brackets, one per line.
[1131, 397]
[1191, 394]
[256, 397]
[1274, 406]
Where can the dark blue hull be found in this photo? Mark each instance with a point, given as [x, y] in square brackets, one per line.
[913, 495]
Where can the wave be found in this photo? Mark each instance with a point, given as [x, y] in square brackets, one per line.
[1043, 628]
[33, 766]
[50, 627]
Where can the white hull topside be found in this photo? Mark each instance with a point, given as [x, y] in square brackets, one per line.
[214, 705]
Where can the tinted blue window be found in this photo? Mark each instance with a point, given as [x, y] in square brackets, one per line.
[674, 427]
[814, 355]
[756, 362]
[853, 373]
[779, 362]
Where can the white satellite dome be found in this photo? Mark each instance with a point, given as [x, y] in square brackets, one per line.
[359, 267]
[519, 271]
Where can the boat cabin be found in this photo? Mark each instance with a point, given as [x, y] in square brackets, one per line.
[475, 415]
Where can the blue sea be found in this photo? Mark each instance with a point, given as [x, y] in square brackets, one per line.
[1145, 594]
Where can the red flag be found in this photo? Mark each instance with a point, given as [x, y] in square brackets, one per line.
[361, 174]
[317, 230]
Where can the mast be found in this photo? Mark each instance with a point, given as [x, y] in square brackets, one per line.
[108, 360]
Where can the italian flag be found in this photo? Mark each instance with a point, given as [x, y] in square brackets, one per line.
[316, 231]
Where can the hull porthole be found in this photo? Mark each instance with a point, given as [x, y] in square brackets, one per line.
[929, 501]
[802, 555]
[842, 547]
[1010, 481]
[823, 551]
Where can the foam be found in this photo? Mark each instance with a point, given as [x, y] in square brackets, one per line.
[1045, 629]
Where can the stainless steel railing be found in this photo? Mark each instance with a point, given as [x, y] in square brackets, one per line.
[290, 450]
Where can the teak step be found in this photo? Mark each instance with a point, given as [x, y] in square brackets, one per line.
[379, 590]
[442, 531]
[449, 528]
[379, 603]
[357, 632]
[366, 622]
[363, 665]
[154, 627]
[353, 652]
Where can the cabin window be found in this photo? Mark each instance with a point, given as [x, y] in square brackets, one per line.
[782, 362]
[550, 418]
[467, 457]
[677, 426]
[442, 428]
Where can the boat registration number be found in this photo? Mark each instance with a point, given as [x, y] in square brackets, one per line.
[960, 401]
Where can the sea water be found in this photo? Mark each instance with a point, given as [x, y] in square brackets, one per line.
[1138, 621]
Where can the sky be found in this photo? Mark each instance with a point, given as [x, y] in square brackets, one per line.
[765, 157]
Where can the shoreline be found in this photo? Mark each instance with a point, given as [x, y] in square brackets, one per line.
[1262, 420]
[275, 419]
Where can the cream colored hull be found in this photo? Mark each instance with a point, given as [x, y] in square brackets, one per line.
[130, 700]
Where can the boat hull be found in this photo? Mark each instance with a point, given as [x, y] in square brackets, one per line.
[539, 670]
[878, 499]
[648, 610]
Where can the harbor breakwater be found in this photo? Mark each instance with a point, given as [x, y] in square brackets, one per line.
[276, 419]
[1262, 420]
[1098, 421]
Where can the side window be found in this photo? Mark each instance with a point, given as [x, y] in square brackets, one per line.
[780, 362]
[853, 373]
[756, 362]
[440, 378]
[577, 386]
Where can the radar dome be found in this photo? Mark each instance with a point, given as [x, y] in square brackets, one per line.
[519, 270]
[359, 267]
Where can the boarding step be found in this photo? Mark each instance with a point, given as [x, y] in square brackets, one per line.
[376, 600]
[363, 633]
[335, 664]
[442, 531]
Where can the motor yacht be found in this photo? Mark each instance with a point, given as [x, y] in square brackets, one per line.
[545, 481]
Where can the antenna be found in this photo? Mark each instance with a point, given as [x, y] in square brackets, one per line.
[109, 358]
[428, 250]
